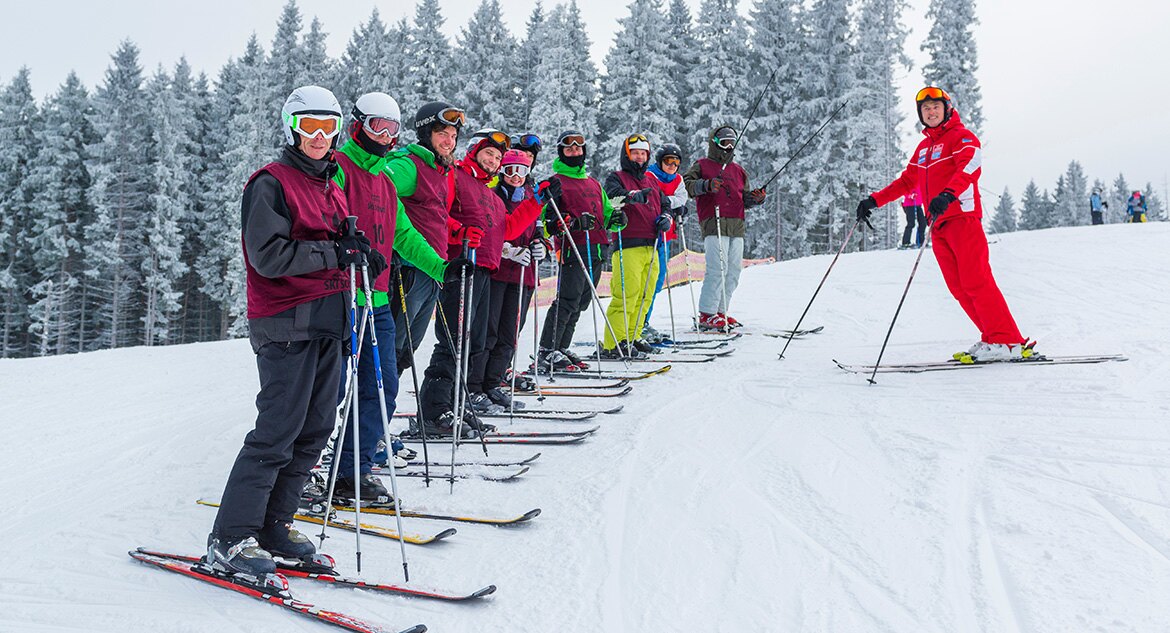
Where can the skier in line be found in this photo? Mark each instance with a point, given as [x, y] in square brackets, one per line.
[720, 188]
[1135, 207]
[424, 177]
[912, 207]
[634, 258]
[475, 205]
[1097, 206]
[520, 258]
[588, 214]
[296, 281]
[381, 217]
[946, 168]
[667, 162]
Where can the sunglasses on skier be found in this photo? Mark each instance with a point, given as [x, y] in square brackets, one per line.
[571, 140]
[515, 171]
[528, 142]
[310, 125]
[377, 126]
[930, 92]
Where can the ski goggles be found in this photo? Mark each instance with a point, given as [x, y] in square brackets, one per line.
[671, 161]
[529, 142]
[499, 139]
[637, 141]
[448, 116]
[310, 125]
[515, 171]
[571, 140]
[725, 138]
[931, 92]
[377, 126]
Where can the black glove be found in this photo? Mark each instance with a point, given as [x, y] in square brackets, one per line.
[456, 267]
[678, 213]
[662, 223]
[585, 222]
[352, 250]
[712, 185]
[637, 196]
[617, 220]
[549, 190]
[375, 264]
[1105, 205]
[865, 209]
[939, 205]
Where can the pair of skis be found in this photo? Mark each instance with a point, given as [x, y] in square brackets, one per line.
[1038, 360]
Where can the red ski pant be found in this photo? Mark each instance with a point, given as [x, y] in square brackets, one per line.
[960, 247]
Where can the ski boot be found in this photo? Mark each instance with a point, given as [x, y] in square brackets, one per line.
[644, 347]
[553, 361]
[502, 398]
[712, 322]
[373, 493]
[242, 556]
[483, 405]
[523, 382]
[651, 335]
[279, 538]
[575, 359]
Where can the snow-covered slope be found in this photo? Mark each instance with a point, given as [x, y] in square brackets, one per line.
[748, 494]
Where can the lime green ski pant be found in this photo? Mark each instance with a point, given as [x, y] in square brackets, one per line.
[638, 267]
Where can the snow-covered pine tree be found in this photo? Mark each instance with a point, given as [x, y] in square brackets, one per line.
[529, 52]
[487, 72]
[636, 90]
[373, 61]
[684, 55]
[778, 46]
[1032, 211]
[1004, 220]
[162, 267]
[566, 89]
[1072, 199]
[59, 178]
[719, 87]
[428, 76]
[1155, 210]
[114, 247]
[954, 58]
[316, 67]
[873, 134]
[285, 63]
[1117, 197]
[831, 171]
[199, 314]
[20, 123]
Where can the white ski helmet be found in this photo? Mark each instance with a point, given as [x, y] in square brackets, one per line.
[309, 100]
[377, 105]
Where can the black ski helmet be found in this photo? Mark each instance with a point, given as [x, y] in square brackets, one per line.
[667, 149]
[437, 112]
[572, 137]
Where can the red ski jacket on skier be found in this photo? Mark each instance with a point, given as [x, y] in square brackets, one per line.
[949, 159]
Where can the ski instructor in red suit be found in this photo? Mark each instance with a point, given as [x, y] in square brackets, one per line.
[945, 168]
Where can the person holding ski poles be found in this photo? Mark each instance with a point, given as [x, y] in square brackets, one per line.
[295, 262]
[912, 208]
[424, 178]
[381, 217]
[634, 257]
[945, 169]
[1097, 207]
[587, 214]
[475, 205]
[722, 194]
[667, 161]
[511, 285]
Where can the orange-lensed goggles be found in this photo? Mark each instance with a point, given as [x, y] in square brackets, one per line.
[311, 125]
[671, 161]
[499, 138]
[453, 116]
[931, 92]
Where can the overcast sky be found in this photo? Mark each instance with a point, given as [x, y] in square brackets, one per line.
[1059, 82]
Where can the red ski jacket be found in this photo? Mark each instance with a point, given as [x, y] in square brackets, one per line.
[949, 159]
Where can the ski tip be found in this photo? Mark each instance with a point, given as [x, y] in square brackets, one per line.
[486, 591]
[528, 516]
[418, 628]
[444, 534]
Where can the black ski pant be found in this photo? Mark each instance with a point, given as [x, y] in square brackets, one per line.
[297, 409]
[437, 392]
[421, 294]
[488, 366]
[573, 297]
[914, 215]
[1097, 219]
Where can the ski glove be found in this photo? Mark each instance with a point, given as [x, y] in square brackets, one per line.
[865, 209]
[712, 185]
[375, 264]
[352, 250]
[757, 195]
[538, 249]
[473, 235]
[617, 220]
[638, 196]
[939, 205]
[456, 267]
[662, 223]
[518, 254]
[548, 191]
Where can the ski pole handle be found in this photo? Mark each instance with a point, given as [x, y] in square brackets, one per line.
[351, 225]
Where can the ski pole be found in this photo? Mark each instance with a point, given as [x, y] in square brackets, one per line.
[900, 302]
[581, 262]
[646, 288]
[594, 307]
[450, 344]
[535, 335]
[801, 148]
[682, 234]
[456, 425]
[385, 421]
[625, 297]
[844, 243]
[665, 270]
[414, 377]
[516, 344]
